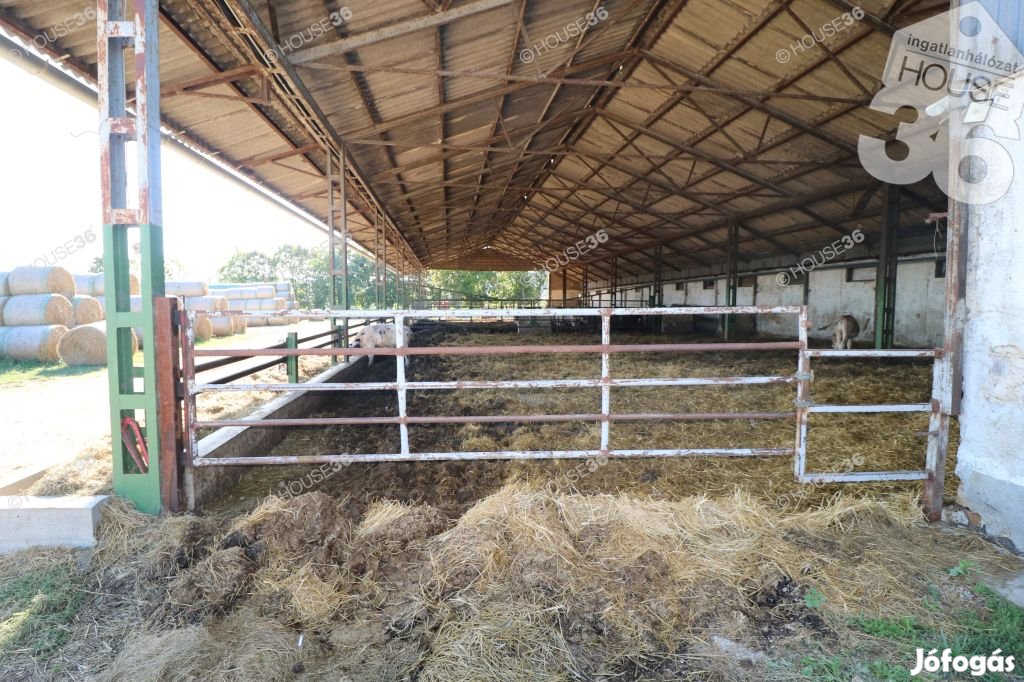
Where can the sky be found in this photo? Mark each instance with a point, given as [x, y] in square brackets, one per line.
[50, 191]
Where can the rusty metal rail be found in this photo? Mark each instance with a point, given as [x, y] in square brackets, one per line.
[801, 379]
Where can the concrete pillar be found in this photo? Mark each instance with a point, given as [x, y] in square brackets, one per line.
[990, 460]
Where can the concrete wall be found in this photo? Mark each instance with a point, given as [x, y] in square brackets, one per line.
[919, 300]
[990, 461]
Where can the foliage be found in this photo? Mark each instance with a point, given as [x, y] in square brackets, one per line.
[962, 569]
[249, 266]
[502, 285]
[309, 272]
[814, 598]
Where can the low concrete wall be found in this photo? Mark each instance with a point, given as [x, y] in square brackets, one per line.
[49, 521]
[203, 484]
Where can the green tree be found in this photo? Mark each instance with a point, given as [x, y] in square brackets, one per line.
[504, 285]
[308, 272]
[248, 266]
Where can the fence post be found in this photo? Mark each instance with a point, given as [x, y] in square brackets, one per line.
[292, 361]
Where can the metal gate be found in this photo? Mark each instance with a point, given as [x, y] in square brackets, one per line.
[801, 379]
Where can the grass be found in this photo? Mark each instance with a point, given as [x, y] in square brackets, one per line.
[37, 607]
[994, 623]
[890, 653]
[13, 372]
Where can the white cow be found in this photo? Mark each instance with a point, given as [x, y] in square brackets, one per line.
[846, 329]
[380, 336]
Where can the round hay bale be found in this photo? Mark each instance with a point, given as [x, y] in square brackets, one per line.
[37, 309]
[221, 326]
[277, 321]
[241, 324]
[186, 288]
[99, 284]
[3, 300]
[266, 291]
[50, 280]
[256, 322]
[206, 303]
[4, 289]
[38, 343]
[83, 284]
[273, 304]
[86, 310]
[203, 329]
[87, 345]
[136, 303]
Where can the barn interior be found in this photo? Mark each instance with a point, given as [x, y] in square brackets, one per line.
[662, 469]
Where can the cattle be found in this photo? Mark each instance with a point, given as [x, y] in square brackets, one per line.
[846, 329]
[380, 336]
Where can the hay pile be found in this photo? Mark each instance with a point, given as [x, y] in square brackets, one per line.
[525, 585]
[87, 345]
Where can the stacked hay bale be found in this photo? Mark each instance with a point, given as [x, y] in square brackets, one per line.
[35, 312]
[202, 328]
[87, 345]
[94, 284]
[257, 298]
[86, 310]
[201, 297]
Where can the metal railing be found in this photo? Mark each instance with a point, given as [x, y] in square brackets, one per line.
[802, 379]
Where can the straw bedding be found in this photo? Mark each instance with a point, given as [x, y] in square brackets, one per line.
[525, 584]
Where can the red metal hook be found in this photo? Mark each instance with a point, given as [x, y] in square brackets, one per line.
[131, 436]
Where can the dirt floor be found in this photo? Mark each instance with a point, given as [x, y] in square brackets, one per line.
[652, 569]
[75, 400]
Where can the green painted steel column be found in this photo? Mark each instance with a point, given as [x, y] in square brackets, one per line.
[292, 342]
[132, 388]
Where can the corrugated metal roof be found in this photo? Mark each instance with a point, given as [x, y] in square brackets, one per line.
[528, 125]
